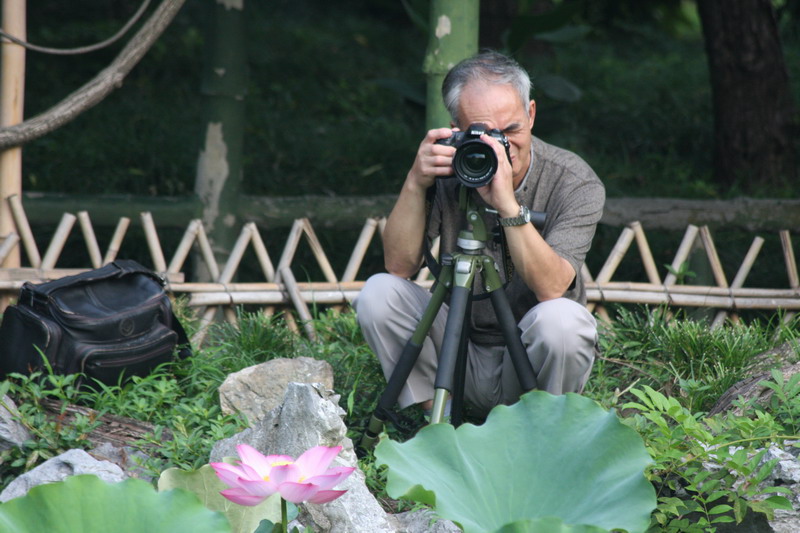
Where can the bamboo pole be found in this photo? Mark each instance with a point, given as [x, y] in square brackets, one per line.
[694, 300]
[303, 226]
[683, 252]
[153, 242]
[184, 247]
[290, 247]
[791, 265]
[9, 243]
[91, 239]
[741, 275]
[12, 99]
[262, 255]
[271, 298]
[24, 230]
[319, 253]
[645, 253]
[689, 295]
[299, 303]
[58, 241]
[207, 253]
[116, 240]
[614, 258]
[788, 256]
[235, 257]
[713, 257]
[360, 249]
[599, 310]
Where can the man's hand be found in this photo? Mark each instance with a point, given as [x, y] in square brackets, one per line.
[432, 161]
[499, 192]
[404, 232]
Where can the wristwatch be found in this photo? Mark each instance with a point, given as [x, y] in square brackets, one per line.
[520, 220]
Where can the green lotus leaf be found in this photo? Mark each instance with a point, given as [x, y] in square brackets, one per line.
[546, 455]
[550, 524]
[87, 504]
[206, 485]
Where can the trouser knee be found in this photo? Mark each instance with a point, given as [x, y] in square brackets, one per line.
[381, 298]
[563, 326]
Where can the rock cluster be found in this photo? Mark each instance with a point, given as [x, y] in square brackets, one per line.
[290, 407]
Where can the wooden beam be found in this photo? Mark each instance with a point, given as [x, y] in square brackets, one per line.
[351, 211]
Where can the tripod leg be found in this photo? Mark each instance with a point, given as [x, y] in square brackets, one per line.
[459, 301]
[405, 364]
[460, 374]
[511, 333]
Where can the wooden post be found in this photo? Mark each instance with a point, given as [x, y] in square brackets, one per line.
[12, 93]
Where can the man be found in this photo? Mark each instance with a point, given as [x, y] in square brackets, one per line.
[545, 291]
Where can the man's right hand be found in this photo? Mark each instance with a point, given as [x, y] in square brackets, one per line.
[403, 234]
[433, 160]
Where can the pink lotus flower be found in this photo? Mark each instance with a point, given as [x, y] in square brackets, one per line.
[257, 477]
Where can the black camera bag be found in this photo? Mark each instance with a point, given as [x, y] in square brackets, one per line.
[105, 323]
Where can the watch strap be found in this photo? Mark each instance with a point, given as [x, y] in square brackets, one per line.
[520, 220]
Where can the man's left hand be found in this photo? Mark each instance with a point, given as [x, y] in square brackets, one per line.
[499, 192]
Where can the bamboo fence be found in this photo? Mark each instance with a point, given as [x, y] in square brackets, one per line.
[218, 299]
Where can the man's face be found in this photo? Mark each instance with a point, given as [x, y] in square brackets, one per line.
[499, 106]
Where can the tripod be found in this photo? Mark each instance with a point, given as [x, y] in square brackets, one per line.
[457, 274]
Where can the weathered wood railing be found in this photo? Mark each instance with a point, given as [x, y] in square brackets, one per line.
[278, 288]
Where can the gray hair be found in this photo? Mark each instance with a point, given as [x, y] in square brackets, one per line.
[489, 67]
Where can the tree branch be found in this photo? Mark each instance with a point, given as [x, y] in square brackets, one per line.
[93, 92]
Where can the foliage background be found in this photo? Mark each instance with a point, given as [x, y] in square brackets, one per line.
[334, 103]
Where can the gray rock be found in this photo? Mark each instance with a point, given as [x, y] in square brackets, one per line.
[256, 390]
[310, 416]
[423, 521]
[787, 470]
[70, 463]
[12, 432]
[129, 459]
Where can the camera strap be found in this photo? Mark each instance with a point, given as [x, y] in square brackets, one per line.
[430, 261]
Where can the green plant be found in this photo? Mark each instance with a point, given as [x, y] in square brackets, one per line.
[693, 497]
[50, 435]
[89, 505]
[682, 273]
[544, 456]
[784, 404]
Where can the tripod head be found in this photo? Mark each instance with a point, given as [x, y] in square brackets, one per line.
[472, 239]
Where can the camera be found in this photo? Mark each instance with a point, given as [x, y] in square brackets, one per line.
[475, 162]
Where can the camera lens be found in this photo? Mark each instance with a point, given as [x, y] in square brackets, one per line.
[475, 163]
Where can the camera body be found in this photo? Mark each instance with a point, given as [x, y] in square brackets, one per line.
[475, 163]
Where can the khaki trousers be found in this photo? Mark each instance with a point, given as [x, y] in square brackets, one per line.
[560, 337]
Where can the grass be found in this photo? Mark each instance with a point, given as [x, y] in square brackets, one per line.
[680, 356]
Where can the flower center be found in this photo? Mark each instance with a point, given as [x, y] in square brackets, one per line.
[277, 463]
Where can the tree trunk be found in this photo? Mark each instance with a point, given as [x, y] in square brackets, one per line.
[453, 36]
[753, 108]
[219, 168]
